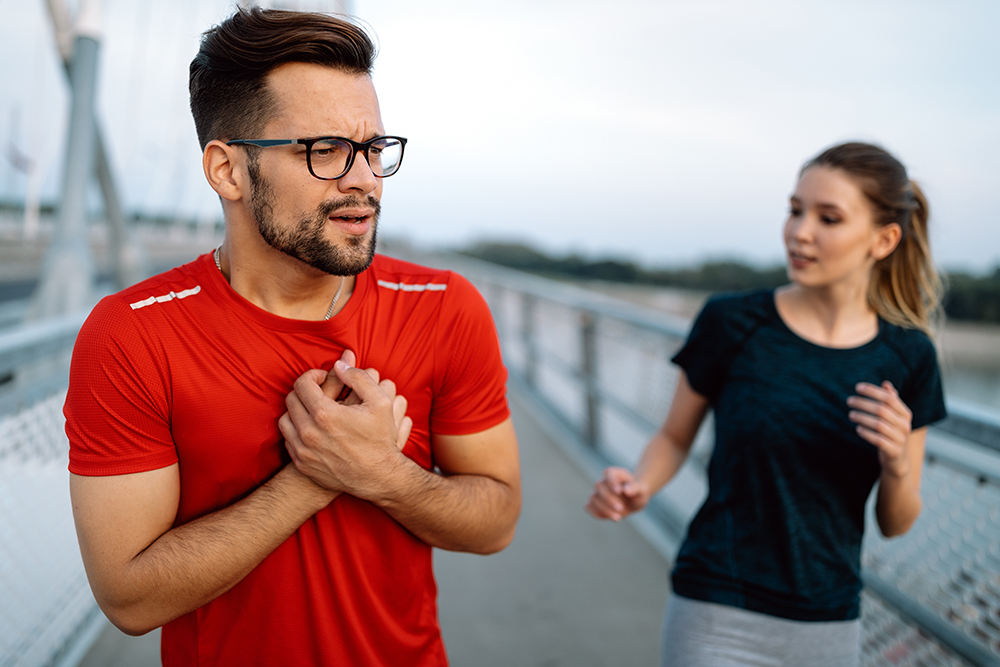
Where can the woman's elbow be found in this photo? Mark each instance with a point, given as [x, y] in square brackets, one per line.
[900, 525]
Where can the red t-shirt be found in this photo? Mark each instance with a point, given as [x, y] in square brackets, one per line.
[179, 368]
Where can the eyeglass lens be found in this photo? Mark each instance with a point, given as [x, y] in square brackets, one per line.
[330, 157]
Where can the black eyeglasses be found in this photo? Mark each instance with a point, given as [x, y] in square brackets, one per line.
[330, 158]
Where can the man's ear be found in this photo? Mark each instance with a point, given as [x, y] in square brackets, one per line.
[886, 240]
[223, 169]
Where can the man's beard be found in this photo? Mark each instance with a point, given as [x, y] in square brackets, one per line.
[306, 240]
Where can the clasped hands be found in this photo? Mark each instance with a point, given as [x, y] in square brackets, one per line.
[345, 445]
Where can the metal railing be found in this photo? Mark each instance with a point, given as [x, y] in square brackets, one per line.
[48, 616]
[601, 368]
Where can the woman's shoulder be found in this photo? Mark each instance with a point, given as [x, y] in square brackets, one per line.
[740, 309]
[727, 319]
[913, 346]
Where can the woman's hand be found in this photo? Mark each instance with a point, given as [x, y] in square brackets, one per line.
[617, 494]
[884, 421]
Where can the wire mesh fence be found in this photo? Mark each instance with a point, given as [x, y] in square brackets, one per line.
[45, 601]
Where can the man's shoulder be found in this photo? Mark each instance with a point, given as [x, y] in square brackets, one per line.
[149, 298]
[397, 275]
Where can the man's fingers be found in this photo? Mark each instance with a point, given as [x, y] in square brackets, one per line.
[287, 428]
[405, 426]
[398, 409]
[389, 387]
[310, 389]
[359, 381]
[332, 386]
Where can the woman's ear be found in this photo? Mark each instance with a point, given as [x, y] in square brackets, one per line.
[222, 165]
[887, 238]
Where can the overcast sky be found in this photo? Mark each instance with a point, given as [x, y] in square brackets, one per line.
[666, 132]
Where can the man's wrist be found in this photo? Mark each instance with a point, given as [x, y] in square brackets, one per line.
[316, 495]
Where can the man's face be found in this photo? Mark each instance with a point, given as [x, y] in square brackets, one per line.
[329, 225]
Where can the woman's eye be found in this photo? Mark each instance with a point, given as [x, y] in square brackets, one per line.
[794, 212]
[829, 220]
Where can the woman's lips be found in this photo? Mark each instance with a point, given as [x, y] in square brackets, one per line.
[799, 261]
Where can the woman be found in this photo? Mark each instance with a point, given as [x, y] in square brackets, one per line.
[820, 389]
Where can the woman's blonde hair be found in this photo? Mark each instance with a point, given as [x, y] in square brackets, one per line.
[905, 289]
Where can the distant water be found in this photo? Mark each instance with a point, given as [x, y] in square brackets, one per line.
[976, 385]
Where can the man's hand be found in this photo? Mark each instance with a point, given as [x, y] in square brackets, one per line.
[345, 446]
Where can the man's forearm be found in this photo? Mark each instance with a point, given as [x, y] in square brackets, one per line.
[471, 513]
[191, 565]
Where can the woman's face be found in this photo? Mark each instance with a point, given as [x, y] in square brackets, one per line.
[830, 234]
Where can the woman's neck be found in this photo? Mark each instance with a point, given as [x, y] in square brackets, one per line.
[832, 316]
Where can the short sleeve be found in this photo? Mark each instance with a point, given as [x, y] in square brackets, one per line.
[470, 381]
[716, 337]
[923, 392]
[117, 410]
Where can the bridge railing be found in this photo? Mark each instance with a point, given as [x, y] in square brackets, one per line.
[47, 613]
[601, 368]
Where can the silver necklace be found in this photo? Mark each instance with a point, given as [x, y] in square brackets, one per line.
[333, 304]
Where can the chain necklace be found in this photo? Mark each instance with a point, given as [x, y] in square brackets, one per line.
[333, 304]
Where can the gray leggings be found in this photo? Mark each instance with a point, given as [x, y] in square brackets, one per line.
[703, 634]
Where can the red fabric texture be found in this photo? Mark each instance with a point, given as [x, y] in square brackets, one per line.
[179, 368]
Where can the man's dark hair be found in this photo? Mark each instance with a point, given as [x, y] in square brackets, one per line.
[229, 95]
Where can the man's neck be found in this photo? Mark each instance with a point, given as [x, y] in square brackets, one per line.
[283, 285]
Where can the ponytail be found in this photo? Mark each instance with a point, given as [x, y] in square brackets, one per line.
[905, 289]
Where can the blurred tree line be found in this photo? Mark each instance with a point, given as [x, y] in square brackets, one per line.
[968, 297]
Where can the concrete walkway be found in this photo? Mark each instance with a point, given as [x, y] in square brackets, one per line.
[570, 590]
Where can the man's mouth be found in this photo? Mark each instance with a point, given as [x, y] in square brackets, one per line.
[352, 217]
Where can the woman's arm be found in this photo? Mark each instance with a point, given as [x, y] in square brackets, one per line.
[620, 493]
[884, 421]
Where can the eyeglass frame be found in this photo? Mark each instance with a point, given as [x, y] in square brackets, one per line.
[356, 147]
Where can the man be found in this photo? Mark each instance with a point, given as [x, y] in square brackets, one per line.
[222, 486]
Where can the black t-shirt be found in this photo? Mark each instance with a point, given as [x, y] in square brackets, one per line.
[780, 532]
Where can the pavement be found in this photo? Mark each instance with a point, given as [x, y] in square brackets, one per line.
[569, 590]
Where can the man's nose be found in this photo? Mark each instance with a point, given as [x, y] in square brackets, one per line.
[360, 176]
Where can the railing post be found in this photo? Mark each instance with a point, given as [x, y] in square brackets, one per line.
[588, 372]
[494, 293]
[528, 338]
